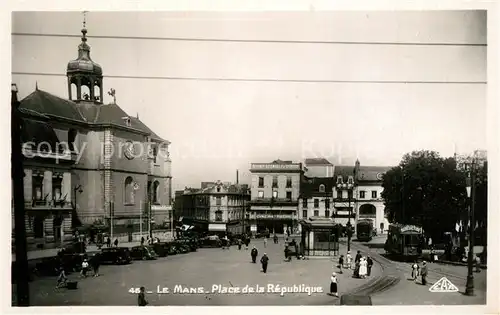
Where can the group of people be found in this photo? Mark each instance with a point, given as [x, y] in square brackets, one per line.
[93, 264]
[264, 260]
[362, 266]
[417, 270]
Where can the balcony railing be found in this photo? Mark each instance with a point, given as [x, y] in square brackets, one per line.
[274, 201]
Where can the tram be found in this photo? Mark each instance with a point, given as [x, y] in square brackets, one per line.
[404, 241]
[364, 230]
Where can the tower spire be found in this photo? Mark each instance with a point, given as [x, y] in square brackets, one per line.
[84, 29]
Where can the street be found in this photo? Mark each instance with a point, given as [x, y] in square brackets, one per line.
[406, 292]
[207, 267]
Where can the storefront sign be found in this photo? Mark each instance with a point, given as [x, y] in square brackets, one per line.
[274, 216]
[276, 166]
[412, 228]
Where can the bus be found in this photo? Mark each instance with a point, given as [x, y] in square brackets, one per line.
[364, 230]
[404, 241]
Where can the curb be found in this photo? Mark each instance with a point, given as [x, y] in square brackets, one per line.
[456, 263]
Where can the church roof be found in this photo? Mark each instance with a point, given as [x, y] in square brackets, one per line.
[42, 104]
[47, 104]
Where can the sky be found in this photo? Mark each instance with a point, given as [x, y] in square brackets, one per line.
[217, 127]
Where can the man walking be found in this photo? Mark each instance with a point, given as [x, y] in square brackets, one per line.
[254, 254]
[423, 273]
[141, 298]
[264, 260]
[116, 242]
[369, 266]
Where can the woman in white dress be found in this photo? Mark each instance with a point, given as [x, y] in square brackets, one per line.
[363, 270]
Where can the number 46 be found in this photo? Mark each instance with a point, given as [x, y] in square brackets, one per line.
[134, 290]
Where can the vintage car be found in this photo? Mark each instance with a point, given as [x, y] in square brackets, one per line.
[143, 252]
[115, 255]
[212, 241]
[161, 248]
[188, 242]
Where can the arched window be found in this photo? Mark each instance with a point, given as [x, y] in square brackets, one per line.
[367, 210]
[322, 188]
[129, 191]
[156, 190]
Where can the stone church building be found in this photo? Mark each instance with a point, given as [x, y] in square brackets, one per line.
[91, 164]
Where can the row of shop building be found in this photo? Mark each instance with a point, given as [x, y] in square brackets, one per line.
[284, 193]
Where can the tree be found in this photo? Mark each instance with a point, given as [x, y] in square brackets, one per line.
[427, 190]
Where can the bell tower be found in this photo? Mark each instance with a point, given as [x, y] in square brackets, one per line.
[84, 75]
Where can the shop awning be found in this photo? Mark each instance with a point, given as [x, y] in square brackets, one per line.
[217, 227]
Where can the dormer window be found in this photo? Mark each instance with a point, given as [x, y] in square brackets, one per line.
[339, 179]
[322, 188]
[127, 121]
[350, 180]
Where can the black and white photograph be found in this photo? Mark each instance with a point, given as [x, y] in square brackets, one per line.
[250, 158]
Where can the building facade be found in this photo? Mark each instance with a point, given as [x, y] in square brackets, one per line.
[120, 175]
[275, 192]
[216, 208]
[318, 168]
[353, 193]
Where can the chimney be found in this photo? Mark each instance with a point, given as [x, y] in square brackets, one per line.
[237, 178]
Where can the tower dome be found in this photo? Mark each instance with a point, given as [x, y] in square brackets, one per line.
[84, 75]
[84, 64]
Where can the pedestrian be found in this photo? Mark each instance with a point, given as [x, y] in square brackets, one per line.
[61, 279]
[254, 254]
[264, 260]
[349, 260]
[423, 273]
[414, 271]
[116, 242]
[363, 268]
[96, 263]
[275, 237]
[334, 285]
[478, 263]
[142, 241]
[141, 298]
[108, 242]
[239, 244]
[341, 263]
[265, 241]
[85, 267]
[247, 242]
[369, 265]
[287, 251]
[358, 257]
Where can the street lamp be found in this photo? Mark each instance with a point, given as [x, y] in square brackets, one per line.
[470, 187]
[349, 187]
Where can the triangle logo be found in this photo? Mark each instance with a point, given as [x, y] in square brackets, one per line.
[443, 285]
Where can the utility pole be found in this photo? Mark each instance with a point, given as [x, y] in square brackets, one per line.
[21, 264]
[471, 191]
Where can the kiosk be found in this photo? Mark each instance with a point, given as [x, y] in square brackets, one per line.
[319, 237]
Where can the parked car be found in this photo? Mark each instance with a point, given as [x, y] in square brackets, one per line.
[143, 252]
[211, 241]
[191, 244]
[115, 255]
[161, 248]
